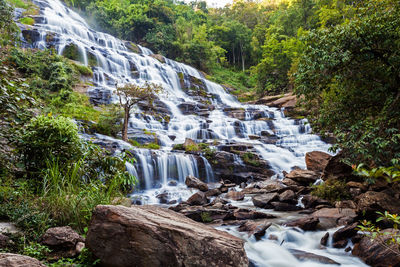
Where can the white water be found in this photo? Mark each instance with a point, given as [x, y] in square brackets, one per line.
[155, 169]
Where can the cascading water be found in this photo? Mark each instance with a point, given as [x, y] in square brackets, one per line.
[163, 171]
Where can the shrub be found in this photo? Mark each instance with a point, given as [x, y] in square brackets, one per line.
[46, 137]
[110, 121]
[251, 159]
[332, 190]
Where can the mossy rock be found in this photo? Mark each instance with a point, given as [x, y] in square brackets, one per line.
[92, 60]
[132, 47]
[72, 52]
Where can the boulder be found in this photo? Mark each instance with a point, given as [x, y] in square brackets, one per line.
[152, 236]
[207, 214]
[333, 217]
[306, 224]
[376, 254]
[345, 233]
[158, 57]
[14, 260]
[287, 196]
[303, 177]
[317, 160]
[371, 202]
[64, 242]
[282, 206]
[336, 168]
[307, 256]
[255, 228]
[194, 182]
[324, 239]
[245, 214]
[213, 192]
[340, 244]
[310, 201]
[198, 198]
[263, 201]
[346, 204]
[234, 195]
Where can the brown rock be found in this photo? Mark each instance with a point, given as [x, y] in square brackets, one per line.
[213, 192]
[333, 217]
[287, 196]
[306, 224]
[336, 168]
[244, 214]
[234, 195]
[198, 198]
[254, 228]
[353, 184]
[317, 160]
[194, 182]
[310, 201]
[307, 256]
[282, 206]
[152, 236]
[263, 201]
[324, 239]
[158, 57]
[340, 244]
[371, 202]
[14, 260]
[62, 241]
[375, 254]
[289, 182]
[346, 204]
[345, 232]
[303, 177]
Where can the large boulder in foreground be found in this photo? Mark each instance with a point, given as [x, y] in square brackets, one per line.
[303, 177]
[15, 260]
[153, 236]
[371, 201]
[377, 254]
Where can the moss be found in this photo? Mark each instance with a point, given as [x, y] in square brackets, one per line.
[27, 21]
[205, 217]
[178, 147]
[83, 70]
[147, 146]
[71, 51]
[92, 60]
[332, 190]
[250, 159]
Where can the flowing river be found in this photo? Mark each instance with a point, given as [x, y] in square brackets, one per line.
[117, 61]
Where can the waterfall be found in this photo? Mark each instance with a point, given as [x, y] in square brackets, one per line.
[116, 61]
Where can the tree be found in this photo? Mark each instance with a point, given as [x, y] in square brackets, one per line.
[130, 94]
[8, 29]
[349, 76]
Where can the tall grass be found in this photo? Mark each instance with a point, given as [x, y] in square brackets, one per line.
[69, 197]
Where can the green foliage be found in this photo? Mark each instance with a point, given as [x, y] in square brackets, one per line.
[251, 159]
[46, 137]
[83, 70]
[8, 29]
[110, 121]
[27, 21]
[349, 75]
[332, 190]
[388, 239]
[205, 217]
[36, 250]
[390, 174]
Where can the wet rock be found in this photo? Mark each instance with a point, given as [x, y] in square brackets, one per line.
[236, 113]
[194, 182]
[152, 236]
[31, 36]
[289, 182]
[14, 260]
[158, 57]
[345, 232]
[317, 160]
[142, 137]
[254, 228]
[303, 177]
[333, 217]
[198, 198]
[245, 214]
[213, 192]
[340, 244]
[132, 47]
[371, 202]
[64, 242]
[287, 196]
[310, 201]
[336, 168]
[208, 214]
[234, 195]
[163, 198]
[172, 183]
[361, 186]
[306, 224]
[307, 256]
[282, 206]
[324, 239]
[263, 201]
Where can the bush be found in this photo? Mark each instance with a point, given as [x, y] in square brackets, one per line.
[332, 190]
[110, 121]
[46, 137]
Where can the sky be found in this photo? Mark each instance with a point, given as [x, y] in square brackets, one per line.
[215, 3]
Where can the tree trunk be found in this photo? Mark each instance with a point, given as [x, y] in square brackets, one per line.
[241, 53]
[126, 123]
